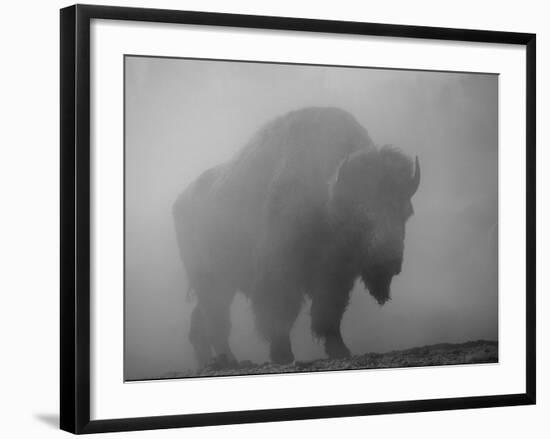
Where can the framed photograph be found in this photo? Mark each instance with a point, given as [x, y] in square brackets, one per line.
[275, 218]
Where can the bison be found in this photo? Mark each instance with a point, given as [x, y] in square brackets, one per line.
[306, 207]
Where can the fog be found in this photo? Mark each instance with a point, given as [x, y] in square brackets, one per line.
[184, 116]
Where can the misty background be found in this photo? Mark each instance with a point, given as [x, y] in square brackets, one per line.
[184, 116]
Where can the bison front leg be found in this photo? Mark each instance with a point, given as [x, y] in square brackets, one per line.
[327, 309]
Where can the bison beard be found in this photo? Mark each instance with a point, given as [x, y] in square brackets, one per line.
[292, 214]
[378, 283]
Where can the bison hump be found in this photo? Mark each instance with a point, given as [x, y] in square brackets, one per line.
[304, 145]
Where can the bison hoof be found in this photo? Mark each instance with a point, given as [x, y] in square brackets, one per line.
[281, 353]
[223, 361]
[337, 349]
[283, 358]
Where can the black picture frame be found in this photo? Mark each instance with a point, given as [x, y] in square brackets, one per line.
[75, 217]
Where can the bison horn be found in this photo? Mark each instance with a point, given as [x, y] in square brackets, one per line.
[416, 177]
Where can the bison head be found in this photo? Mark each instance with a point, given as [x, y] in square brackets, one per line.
[373, 193]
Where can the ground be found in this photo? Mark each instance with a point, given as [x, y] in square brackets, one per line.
[480, 351]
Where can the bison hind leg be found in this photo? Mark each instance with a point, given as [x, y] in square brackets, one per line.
[276, 305]
[198, 336]
[211, 326]
[335, 347]
[280, 350]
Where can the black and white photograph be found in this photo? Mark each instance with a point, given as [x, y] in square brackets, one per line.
[270, 216]
[284, 218]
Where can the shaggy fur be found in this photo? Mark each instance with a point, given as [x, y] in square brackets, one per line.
[307, 207]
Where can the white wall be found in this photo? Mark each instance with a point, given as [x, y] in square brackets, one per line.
[30, 203]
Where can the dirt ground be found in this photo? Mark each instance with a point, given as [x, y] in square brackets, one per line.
[471, 352]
